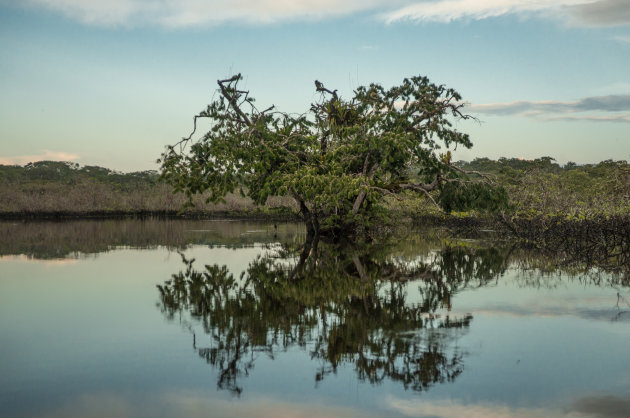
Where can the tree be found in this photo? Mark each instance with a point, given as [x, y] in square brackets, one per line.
[337, 161]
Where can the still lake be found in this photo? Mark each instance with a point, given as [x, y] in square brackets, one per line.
[231, 318]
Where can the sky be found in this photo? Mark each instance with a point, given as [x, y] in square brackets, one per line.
[112, 82]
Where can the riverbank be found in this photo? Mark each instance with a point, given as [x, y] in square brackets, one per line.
[568, 243]
[263, 214]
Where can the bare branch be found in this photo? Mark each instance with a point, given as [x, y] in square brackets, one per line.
[387, 192]
[232, 100]
[268, 109]
[189, 137]
[320, 87]
[427, 194]
[424, 188]
[421, 186]
[477, 173]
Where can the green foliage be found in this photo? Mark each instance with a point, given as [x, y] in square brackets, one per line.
[337, 161]
[49, 187]
[470, 196]
[63, 172]
[542, 187]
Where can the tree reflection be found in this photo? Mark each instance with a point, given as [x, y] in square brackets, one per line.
[344, 305]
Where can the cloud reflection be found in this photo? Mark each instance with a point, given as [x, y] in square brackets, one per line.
[590, 406]
[193, 404]
[23, 258]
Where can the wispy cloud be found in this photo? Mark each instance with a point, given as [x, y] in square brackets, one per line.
[44, 156]
[611, 108]
[185, 13]
[584, 12]
[194, 404]
[450, 10]
[620, 118]
[601, 406]
[602, 12]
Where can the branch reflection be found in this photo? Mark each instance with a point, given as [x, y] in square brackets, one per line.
[385, 314]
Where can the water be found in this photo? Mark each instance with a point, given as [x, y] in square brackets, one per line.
[115, 318]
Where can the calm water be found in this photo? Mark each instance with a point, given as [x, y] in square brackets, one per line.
[218, 318]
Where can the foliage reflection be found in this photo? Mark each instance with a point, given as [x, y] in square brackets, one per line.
[344, 305]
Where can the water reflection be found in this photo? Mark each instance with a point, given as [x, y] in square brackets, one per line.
[53, 240]
[548, 336]
[345, 305]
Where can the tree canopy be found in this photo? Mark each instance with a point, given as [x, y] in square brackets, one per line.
[338, 160]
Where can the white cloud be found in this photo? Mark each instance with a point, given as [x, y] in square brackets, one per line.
[44, 156]
[186, 13]
[611, 108]
[449, 10]
[583, 12]
[199, 12]
[98, 12]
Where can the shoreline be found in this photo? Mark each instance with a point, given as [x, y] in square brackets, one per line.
[595, 241]
[148, 214]
[531, 226]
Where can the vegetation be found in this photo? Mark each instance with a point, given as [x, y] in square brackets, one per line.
[54, 188]
[541, 187]
[541, 195]
[339, 160]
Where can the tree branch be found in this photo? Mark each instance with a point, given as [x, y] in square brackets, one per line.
[232, 100]
[421, 186]
[425, 188]
[320, 87]
[477, 173]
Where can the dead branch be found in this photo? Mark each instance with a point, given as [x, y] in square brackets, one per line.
[320, 87]
[476, 173]
[232, 99]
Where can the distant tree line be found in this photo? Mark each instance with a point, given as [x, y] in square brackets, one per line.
[544, 187]
[72, 173]
[57, 188]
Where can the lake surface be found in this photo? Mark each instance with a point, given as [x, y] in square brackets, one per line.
[219, 318]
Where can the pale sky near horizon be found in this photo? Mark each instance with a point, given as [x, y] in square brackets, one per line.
[111, 83]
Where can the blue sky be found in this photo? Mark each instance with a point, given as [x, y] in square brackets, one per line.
[112, 82]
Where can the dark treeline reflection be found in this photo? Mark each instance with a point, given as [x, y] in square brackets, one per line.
[47, 239]
[383, 310]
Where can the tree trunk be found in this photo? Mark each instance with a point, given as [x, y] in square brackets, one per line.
[363, 193]
[359, 201]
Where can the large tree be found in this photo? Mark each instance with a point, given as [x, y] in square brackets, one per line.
[336, 161]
